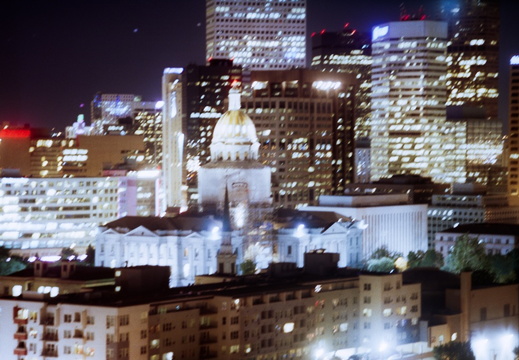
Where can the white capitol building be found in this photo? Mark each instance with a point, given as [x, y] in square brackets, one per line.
[190, 243]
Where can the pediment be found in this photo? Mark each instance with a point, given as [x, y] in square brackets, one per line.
[335, 228]
[141, 231]
[110, 232]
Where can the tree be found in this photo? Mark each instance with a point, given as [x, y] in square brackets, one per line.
[516, 352]
[384, 264]
[67, 252]
[10, 264]
[248, 267]
[383, 252]
[429, 258]
[454, 350]
[91, 255]
[467, 254]
[505, 268]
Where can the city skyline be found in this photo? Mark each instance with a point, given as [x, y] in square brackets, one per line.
[51, 72]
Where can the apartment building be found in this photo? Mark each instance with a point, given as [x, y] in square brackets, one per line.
[288, 312]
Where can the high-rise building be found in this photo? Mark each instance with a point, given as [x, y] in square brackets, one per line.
[206, 88]
[347, 51]
[257, 34]
[482, 147]
[173, 138]
[147, 122]
[513, 132]
[473, 54]
[409, 132]
[108, 109]
[304, 120]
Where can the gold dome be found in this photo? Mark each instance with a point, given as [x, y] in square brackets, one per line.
[235, 126]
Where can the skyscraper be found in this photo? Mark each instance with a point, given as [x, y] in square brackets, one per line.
[347, 51]
[513, 132]
[409, 133]
[304, 121]
[257, 34]
[173, 138]
[206, 88]
[473, 55]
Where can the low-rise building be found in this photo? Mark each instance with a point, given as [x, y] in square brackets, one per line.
[468, 203]
[497, 238]
[317, 311]
[390, 221]
[189, 242]
[54, 279]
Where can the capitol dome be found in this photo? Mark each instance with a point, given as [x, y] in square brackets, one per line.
[234, 136]
[235, 126]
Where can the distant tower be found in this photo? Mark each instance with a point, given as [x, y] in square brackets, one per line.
[513, 133]
[473, 54]
[259, 35]
[409, 133]
[108, 109]
[347, 51]
[234, 169]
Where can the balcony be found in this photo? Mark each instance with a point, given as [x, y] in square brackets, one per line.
[208, 340]
[20, 335]
[20, 351]
[20, 321]
[49, 321]
[50, 336]
[49, 353]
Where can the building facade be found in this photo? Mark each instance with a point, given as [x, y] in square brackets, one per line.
[473, 55]
[348, 51]
[513, 132]
[233, 32]
[497, 238]
[189, 243]
[305, 125]
[288, 314]
[465, 206]
[42, 216]
[389, 220]
[409, 133]
[173, 160]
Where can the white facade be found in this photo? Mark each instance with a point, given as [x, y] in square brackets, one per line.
[409, 133]
[189, 245]
[40, 216]
[173, 138]
[233, 32]
[188, 253]
[37, 329]
[399, 227]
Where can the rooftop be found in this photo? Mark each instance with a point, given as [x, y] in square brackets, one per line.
[485, 228]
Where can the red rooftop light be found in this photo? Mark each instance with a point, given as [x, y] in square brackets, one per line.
[14, 133]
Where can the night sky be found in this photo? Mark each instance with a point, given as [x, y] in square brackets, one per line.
[55, 55]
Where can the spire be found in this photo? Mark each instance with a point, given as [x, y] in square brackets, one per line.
[226, 221]
[235, 97]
